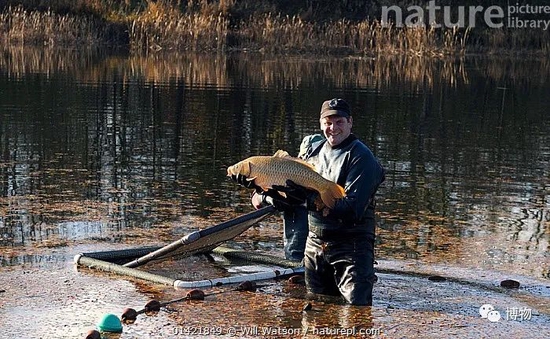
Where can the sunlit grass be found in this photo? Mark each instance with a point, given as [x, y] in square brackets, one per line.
[279, 34]
[22, 27]
[161, 26]
[147, 25]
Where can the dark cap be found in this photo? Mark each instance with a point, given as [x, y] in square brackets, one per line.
[335, 107]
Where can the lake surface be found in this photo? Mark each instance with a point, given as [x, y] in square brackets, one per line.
[104, 151]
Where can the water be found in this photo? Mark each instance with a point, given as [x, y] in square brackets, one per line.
[102, 151]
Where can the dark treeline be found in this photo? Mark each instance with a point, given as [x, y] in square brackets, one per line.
[311, 10]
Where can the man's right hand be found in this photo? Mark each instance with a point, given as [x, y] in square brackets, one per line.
[296, 195]
[280, 202]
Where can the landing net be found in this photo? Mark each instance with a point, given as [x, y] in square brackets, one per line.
[205, 240]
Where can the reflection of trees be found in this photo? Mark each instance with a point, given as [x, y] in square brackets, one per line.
[267, 72]
[148, 139]
[464, 169]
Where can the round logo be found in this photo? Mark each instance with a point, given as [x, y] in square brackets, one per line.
[485, 309]
[493, 316]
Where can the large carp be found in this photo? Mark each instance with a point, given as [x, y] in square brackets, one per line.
[267, 171]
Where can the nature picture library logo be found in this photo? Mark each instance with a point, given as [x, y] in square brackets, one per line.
[513, 15]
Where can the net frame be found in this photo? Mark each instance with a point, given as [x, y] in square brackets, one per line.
[205, 240]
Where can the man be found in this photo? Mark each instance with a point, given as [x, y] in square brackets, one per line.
[339, 253]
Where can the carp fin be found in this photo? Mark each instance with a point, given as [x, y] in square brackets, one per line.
[247, 168]
[330, 195]
[284, 154]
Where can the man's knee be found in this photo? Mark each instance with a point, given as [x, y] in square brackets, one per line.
[358, 293]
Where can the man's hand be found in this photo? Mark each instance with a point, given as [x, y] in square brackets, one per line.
[279, 202]
[295, 195]
[244, 181]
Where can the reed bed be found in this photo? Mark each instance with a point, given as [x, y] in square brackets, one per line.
[175, 25]
[22, 27]
[163, 27]
[281, 34]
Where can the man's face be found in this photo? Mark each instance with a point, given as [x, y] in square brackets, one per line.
[336, 128]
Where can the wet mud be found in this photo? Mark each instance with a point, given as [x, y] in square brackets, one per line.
[54, 299]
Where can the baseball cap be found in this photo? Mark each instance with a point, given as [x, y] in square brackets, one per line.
[335, 107]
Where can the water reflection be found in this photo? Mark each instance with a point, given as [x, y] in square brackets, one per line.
[341, 321]
[117, 148]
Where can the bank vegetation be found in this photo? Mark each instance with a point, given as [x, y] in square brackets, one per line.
[350, 27]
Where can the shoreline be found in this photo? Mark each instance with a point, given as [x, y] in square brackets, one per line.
[161, 27]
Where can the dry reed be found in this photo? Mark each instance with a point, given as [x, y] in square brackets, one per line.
[280, 34]
[163, 27]
[216, 25]
[22, 27]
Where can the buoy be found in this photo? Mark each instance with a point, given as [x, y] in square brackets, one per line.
[129, 316]
[297, 279]
[152, 306]
[195, 295]
[247, 286]
[93, 334]
[109, 323]
[509, 283]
